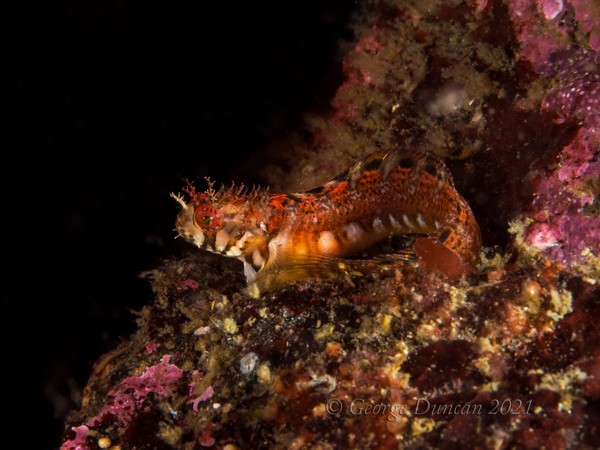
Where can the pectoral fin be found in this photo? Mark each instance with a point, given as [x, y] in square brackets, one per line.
[284, 269]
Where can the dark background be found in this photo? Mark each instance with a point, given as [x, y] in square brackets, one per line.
[106, 105]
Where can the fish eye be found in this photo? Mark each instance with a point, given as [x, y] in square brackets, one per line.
[208, 218]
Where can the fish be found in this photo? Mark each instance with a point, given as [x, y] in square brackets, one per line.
[283, 238]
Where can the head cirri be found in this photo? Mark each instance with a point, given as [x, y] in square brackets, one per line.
[218, 221]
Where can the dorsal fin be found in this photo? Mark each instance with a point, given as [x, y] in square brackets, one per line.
[386, 161]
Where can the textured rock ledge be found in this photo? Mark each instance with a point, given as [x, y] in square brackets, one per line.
[402, 357]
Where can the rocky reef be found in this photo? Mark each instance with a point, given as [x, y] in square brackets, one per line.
[508, 93]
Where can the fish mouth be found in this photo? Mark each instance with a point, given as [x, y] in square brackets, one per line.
[186, 229]
[182, 232]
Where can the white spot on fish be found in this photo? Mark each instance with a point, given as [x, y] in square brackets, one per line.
[421, 221]
[378, 225]
[221, 240]
[354, 231]
[242, 241]
[395, 222]
[199, 239]
[408, 222]
[328, 245]
[234, 251]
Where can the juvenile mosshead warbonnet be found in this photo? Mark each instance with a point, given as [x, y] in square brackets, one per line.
[282, 238]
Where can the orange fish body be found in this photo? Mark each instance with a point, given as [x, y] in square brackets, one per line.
[288, 237]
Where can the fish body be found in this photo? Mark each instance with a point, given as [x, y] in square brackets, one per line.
[287, 237]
